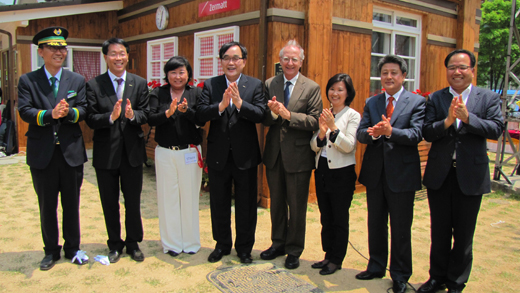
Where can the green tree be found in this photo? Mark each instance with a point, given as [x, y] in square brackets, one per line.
[494, 35]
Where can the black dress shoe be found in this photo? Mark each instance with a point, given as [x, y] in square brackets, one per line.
[137, 255]
[114, 256]
[366, 275]
[320, 264]
[330, 269]
[245, 257]
[172, 253]
[48, 262]
[454, 291]
[217, 255]
[271, 253]
[292, 262]
[399, 287]
[431, 286]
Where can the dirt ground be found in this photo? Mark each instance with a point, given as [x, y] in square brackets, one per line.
[496, 266]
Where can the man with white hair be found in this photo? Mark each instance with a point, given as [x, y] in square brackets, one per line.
[295, 104]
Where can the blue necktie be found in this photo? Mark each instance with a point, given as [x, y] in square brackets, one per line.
[286, 94]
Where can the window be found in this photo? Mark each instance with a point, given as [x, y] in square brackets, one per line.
[399, 34]
[207, 45]
[158, 53]
[87, 61]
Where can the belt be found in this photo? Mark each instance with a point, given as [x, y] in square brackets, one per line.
[454, 164]
[176, 147]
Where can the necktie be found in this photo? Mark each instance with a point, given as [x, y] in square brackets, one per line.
[119, 92]
[54, 87]
[286, 94]
[390, 108]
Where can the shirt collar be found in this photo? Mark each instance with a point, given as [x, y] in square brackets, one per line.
[238, 79]
[58, 75]
[464, 94]
[396, 95]
[113, 76]
[293, 80]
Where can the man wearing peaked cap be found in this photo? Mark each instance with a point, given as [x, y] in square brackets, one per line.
[52, 100]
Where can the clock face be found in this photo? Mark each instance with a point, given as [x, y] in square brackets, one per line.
[161, 17]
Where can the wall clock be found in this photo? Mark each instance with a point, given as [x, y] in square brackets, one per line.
[161, 17]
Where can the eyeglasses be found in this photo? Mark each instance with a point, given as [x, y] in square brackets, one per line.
[53, 49]
[459, 67]
[287, 59]
[234, 58]
[114, 55]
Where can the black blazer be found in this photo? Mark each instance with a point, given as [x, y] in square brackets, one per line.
[233, 130]
[180, 128]
[469, 140]
[108, 138]
[35, 94]
[398, 155]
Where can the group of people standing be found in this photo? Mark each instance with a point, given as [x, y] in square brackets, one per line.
[302, 136]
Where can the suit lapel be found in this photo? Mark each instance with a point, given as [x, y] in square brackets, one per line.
[297, 92]
[45, 86]
[108, 86]
[381, 105]
[64, 85]
[242, 86]
[278, 88]
[473, 99]
[129, 91]
[399, 106]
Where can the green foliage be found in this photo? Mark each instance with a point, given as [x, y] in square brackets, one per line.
[494, 35]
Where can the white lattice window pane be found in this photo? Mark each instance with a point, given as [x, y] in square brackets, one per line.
[226, 38]
[382, 17]
[206, 46]
[206, 67]
[169, 50]
[411, 68]
[406, 21]
[381, 43]
[220, 71]
[156, 68]
[375, 87]
[156, 52]
[405, 45]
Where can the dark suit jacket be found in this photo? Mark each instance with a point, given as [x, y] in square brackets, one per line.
[35, 94]
[398, 155]
[469, 141]
[180, 128]
[292, 138]
[108, 138]
[233, 130]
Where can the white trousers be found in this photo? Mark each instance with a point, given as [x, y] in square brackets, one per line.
[178, 191]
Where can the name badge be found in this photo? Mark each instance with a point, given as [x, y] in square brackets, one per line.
[190, 158]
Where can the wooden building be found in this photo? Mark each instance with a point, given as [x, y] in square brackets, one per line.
[347, 36]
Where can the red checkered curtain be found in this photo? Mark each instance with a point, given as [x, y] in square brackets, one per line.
[86, 63]
[222, 39]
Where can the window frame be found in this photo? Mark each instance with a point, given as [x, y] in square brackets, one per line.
[235, 30]
[163, 61]
[394, 29]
